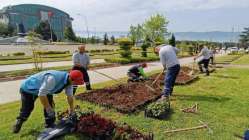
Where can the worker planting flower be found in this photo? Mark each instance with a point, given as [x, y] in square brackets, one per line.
[136, 73]
[44, 85]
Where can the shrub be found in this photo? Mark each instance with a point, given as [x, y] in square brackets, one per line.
[125, 46]
[158, 109]
[53, 52]
[144, 49]
[19, 54]
[131, 60]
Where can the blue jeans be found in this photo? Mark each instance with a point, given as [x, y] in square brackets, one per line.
[170, 78]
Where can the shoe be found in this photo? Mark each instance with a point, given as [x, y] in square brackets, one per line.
[17, 127]
[164, 98]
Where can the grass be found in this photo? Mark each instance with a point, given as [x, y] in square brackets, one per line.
[227, 58]
[244, 60]
[222, 98]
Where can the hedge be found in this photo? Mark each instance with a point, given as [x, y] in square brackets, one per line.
[131, 60]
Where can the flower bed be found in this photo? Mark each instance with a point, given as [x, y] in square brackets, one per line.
[125, 98]
[182, 78]
[99, 128]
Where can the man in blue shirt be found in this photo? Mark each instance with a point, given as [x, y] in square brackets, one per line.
[44, 85]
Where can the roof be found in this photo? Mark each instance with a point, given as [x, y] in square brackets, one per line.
[4, 9]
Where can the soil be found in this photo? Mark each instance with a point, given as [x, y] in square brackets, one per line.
[99, 128]
[125, 98]
[182, 78]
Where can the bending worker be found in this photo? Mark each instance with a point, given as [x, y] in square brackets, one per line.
[170, 62]
[44, 85]
[81, 62]
[136, 73]
[204, 57]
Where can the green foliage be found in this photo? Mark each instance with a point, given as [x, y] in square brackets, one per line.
[144, 47]
[69, 34]
[19, 54]
[172, 40]
[158, 108]
[244, 38]
[106, 39]
[155, 28]
[136, 33]
[131, 60]
[52, 52]
[44, 30]
[125, 46]
[6, 30]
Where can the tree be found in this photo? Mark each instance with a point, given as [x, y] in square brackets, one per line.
[136, 33]
[69, 34]
[172, 40]
[106, 39]
[244, 38]
[113, 40]
[6, 30]
[155, 28]
[44, 30]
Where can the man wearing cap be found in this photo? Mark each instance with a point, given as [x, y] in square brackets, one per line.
[204, 57]
[44, 85]
[170, 62]
[80, 62]
[136, 72]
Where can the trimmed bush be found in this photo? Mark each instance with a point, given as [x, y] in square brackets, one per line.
[125, 46]
[53, 52]
[131, 60]
[19, 54]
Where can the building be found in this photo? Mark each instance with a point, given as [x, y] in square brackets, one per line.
[28, 16]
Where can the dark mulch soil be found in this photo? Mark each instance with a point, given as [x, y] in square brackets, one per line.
[125, 98]
[182, 78]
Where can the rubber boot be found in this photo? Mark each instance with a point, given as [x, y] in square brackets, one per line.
[18, 125]
[88, 86]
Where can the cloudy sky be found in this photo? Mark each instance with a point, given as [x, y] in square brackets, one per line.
[184, 15]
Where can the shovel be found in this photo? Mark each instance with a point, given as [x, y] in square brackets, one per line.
[157, 78]
[149, 87]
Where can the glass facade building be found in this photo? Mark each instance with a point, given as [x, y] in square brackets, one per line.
[30, 15]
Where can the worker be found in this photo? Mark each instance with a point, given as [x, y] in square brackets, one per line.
[136, 73]
[170, 62]
[204, 58]
[212, 52]
[81, 62]
[44, 85]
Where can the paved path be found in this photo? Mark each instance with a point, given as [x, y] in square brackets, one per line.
[5, 68]
[9, 90]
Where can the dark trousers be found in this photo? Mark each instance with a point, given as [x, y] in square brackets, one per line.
[204, 62]
[27, 106]
[212, 60]
[170, 78]
[134, 76]
[85, 77]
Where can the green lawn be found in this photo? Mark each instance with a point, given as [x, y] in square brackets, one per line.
[244, 60]
[223, 100]
[227, 58]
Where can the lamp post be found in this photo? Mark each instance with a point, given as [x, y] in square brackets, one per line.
[50, 14]
[84, 17]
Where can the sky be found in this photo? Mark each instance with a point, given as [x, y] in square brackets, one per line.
[183, 15]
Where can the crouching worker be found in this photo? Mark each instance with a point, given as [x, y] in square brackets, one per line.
[44, 85]
[136, 73]
[170, 62]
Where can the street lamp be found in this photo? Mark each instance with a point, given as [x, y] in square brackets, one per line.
[83, 16]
